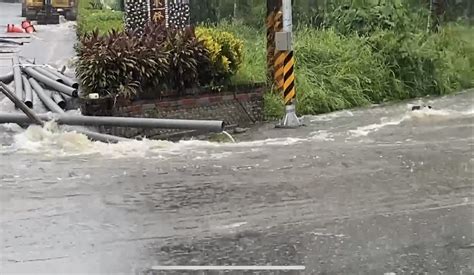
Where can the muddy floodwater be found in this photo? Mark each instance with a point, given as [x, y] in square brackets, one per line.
[380, 190]
[369, 191]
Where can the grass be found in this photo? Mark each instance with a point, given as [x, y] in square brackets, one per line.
[252, 69]
[335, 72]
[104, 20]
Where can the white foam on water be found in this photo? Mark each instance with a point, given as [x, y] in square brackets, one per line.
[51, 140]
[268, 142]
[424, 115]
[365, 130]
[322, 135]
[331, 116]
[11, 128]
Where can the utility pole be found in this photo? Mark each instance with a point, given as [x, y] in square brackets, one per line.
[272, 9]
[437, 11]
[284, 43]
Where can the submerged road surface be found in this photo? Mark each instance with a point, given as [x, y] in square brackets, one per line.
[382, 190]
[373, 191]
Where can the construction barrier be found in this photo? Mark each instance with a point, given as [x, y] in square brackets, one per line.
[13, 28]
[26, 25]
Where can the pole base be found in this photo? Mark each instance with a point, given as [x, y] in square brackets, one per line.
[290, 120]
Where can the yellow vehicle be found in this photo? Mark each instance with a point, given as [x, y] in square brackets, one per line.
[48, 11]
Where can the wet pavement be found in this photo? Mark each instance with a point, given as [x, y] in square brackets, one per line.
[367, 191]
[380, 190]
[51, 44]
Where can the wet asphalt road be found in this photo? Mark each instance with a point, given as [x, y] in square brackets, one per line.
[52, 44]
[370, 191]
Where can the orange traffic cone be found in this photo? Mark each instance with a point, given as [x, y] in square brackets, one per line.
[13, 28]
[26, 25]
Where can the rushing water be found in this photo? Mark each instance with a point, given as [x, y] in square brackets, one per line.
[380, 190]
[390, 185]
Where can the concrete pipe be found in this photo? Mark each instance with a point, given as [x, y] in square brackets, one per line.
[17, 78]
[50, 82]
[53, 107]
[58, 99]
[28, 92]
[45, 98]
[66, 80]
[62, 118]
[203, 125]
[7, 41]
[48, 74]
[7, 78]
[100, 137]
[32, 117]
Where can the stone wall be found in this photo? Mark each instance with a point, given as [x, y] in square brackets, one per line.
[236, 109]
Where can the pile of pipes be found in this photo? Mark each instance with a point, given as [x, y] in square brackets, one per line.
[53, 88]
[10, 43]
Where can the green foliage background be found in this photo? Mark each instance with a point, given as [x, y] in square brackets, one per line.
[352, 53]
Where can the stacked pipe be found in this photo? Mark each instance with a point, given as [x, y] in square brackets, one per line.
[58, 86]
[137, 14]
[32, 117]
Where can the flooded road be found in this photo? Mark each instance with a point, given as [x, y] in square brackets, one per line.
[369, 191]
[380, 190]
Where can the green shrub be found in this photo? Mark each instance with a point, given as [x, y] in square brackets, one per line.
[225, 51]
[425, 63]
[253, 67]
[120, 63]
[189, 60]
[366, 19]
[274, 106]
[127, 64]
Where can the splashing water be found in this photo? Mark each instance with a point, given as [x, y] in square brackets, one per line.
[425, 115]
[52, 140]
[229, 136]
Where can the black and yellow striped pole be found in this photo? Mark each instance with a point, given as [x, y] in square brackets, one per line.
[279, 55]
[270, 25]
[283, 42]
[289, 90]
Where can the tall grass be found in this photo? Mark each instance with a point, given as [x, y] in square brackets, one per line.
[252, 69]
[103, 19]
[336, 71]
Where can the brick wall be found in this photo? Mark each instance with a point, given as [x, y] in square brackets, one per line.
[240, 109]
